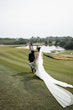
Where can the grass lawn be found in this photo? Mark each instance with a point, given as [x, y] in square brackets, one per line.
[22, 90]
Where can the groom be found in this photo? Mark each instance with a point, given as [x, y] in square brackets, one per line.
[31, 57]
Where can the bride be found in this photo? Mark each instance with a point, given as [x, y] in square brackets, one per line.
[64, 97]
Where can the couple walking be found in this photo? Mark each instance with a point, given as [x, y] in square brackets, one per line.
[56, 87]
[32, 57]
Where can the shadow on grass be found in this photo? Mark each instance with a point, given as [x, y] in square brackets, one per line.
[27, 75]
[28, 81]
[21, 74]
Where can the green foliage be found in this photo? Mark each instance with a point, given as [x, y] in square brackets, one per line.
[11, 41]
[65, 42]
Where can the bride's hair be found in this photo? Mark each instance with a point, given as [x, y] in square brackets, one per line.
[38, 49]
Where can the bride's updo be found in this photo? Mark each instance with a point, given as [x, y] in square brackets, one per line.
[38, 49]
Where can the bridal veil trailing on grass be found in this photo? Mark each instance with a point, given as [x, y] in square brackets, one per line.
[63, 96]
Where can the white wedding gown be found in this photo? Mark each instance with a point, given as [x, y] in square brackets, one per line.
[64, 97]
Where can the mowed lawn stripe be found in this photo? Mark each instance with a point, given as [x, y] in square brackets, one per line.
[22, 54]
[14, 57]
[25, 64]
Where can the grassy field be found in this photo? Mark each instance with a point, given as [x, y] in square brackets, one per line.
[22, 90]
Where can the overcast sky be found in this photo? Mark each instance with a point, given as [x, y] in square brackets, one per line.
[27, 18]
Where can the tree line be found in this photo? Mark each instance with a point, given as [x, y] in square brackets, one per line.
[65, 42]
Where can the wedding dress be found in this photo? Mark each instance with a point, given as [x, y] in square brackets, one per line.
[64, 97]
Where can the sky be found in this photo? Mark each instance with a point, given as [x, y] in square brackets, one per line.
[42, 18]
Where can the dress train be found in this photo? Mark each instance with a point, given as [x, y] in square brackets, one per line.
[63, 96]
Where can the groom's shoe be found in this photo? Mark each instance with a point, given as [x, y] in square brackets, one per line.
[32, 70]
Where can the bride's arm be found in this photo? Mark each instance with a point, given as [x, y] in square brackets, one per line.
[36, 57]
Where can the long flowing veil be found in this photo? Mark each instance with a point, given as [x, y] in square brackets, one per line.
[63, 96]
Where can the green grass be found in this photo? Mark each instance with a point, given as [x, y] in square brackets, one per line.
[22, 90]
[68, 53]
